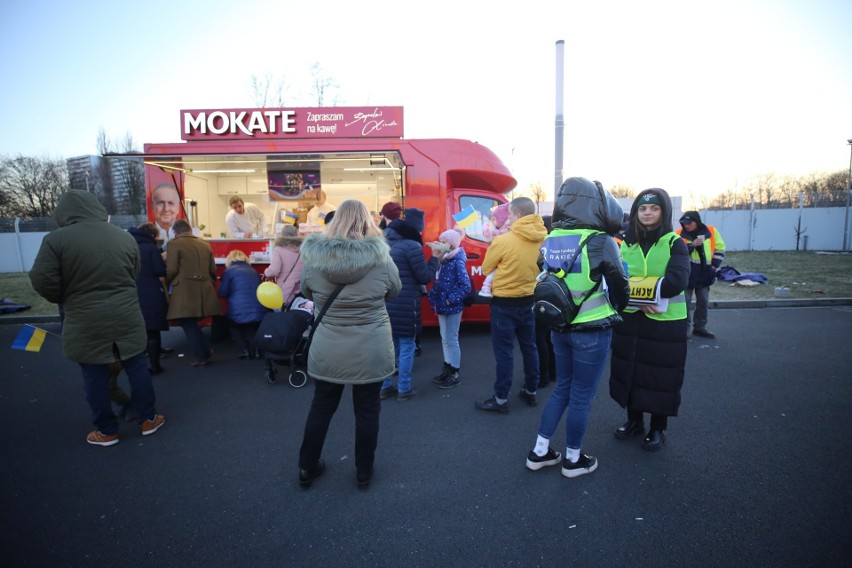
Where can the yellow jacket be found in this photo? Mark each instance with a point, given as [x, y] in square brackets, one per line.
[514, 256]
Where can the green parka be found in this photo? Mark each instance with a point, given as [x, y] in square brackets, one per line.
[353, 344]
[90, 266]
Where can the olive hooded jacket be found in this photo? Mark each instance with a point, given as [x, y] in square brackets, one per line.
[90, 266]
[353, 343]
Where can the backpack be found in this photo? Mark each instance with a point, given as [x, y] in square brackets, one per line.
[554, 305]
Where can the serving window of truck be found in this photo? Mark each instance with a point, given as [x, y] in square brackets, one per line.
[297, 164]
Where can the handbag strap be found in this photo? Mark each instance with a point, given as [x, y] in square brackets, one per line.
[325, 309]
[294, 266]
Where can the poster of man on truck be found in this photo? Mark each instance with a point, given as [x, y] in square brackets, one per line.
[285, 162]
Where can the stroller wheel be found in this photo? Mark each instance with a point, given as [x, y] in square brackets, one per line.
[271, 375]
[298, 378]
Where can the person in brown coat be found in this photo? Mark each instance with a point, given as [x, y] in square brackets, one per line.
[190, 277]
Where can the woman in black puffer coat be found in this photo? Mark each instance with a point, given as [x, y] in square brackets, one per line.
[149, 288]
[649, 346]
[406, 244]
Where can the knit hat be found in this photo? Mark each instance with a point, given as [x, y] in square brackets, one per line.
[501, 215]
[391, 210]
[414, 218]
[452, 237]
[690, 217]
[650, 199]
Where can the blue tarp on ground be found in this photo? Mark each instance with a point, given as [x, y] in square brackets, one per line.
[731, 274]
[8, 306]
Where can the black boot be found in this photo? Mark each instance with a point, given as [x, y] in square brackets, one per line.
[445, 371]
[630, 428]
[451, 380]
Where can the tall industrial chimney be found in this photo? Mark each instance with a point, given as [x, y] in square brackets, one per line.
[560, 119]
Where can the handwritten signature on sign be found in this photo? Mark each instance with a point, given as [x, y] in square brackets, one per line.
[371, 122]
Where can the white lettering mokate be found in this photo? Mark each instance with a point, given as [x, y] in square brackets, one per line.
[233, 122]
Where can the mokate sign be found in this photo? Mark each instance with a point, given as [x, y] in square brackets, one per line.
[264, 123]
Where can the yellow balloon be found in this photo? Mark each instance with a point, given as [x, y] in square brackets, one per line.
[270, 295]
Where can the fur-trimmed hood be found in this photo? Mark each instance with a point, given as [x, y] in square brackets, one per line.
[289, 242]
[344, 261]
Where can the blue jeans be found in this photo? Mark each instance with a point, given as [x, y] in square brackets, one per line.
[580, 359]
[508, 323]
[403, 348]
[449, 325]
[96, 385]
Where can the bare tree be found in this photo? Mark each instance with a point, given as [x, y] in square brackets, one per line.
[622, 191]
[267, 91]
[788, 190]
[324, 86]
[538, 194]
[104, 188]
[131, 172]
[30, 187]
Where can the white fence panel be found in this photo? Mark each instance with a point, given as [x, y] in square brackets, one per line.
[775, 229]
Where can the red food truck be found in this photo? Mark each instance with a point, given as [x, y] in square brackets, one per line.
[284, 159]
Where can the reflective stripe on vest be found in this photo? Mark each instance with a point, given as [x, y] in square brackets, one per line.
[654, 264]
[693, 256]
[597, 306]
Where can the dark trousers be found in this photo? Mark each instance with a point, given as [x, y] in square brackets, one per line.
[153, 349]
[546, 355]
[658, 421]
[697, 316]
[197, 342]
[96, 385]
[243, 333]
[507, 324]
[366, 403]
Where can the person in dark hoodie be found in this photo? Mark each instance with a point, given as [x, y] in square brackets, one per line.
[649, 346]
[706, 251]
[149, 287]
[239, 287]
[584, 212]
[353, 343]
[406, 249]
[90, 267]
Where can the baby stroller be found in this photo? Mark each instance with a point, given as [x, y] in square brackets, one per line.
[284, 339]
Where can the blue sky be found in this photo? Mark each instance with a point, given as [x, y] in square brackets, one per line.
[693, 97]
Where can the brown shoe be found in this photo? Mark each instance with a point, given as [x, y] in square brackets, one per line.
[151, 426]
[97, 438]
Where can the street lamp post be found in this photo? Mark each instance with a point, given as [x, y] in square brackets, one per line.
[848, 196]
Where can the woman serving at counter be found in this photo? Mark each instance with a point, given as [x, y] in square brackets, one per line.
[244, 219]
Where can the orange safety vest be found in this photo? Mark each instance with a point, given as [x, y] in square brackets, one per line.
[712, 230]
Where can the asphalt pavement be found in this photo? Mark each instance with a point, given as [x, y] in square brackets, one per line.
[755, 471]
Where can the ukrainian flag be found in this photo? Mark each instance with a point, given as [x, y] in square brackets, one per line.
[466, 217]
[30, 339]
[290, 217]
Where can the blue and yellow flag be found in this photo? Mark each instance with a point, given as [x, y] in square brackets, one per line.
[30, 339]
[466, 217]
[290, 217]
